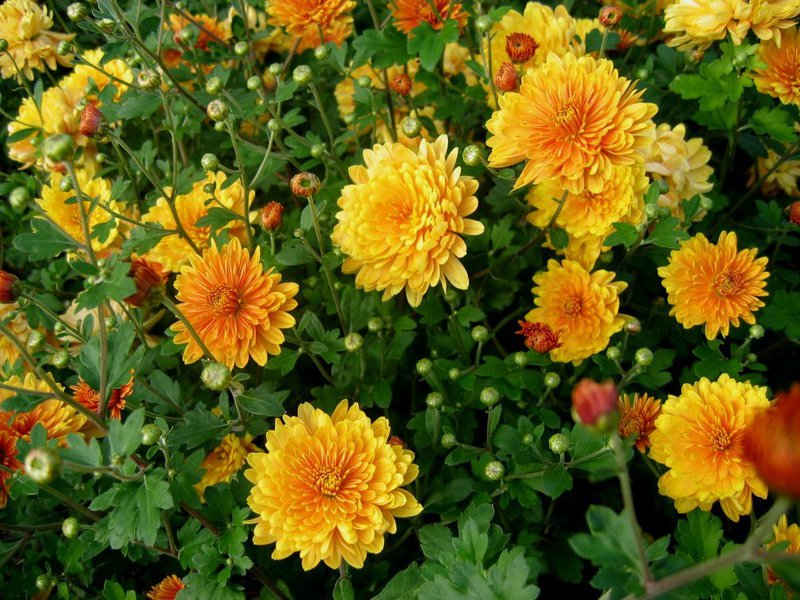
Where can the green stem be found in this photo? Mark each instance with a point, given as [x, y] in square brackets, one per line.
[245, 185]
[176, 311]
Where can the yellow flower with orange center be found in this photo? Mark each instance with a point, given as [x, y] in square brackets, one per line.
[714, 284]
[307, 18]
[31, 44]
[236, 309]
[167, 589]
[638, 414]
[572, 120]
[410, 14]
[581, 307]
[699, 437]
[401, 221]
[173, 251]
[696, 24]
[330, 487]
[18, 325]
[780, 75]
[92, 69]
[222, 463]
[783, 532]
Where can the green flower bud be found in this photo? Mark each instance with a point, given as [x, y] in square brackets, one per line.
[298, 233]
[411, 127]
[64, 48]
[117, 461]
[106, 25]
[186, 36]
[490, 396]
[479, 333]
[559, 443]
[471, 155]
[321, 52]
[43, 465]
[454, 373]
[633, 326]
[275, 69]
[494, 470]
[220, 126]
[349, 118]
[274, 125]
[216, 376]
[241, 48]
[254, 83]
[364, 81]
[606, 257]
[302, 75]
[353, 342]
[149, 79]
[317, 150]
[756, 332]
[151, 433]
[76, 12]
[752, 357]
[706, 203]
[217, 110]
[651, 211]
[484, 23]
[552, 380]
[71, 527]
[521, 359]
[643, 357]
[449, 440]
[214, 85]
[35, 341]
[60, 359]
[210, 188]
[434, 400]
[111, 322]
[613, 353]
[528, 439]
[642, 73]
[209, 162]
[19, 198]
[424, 366]
[58, 147]
[375, 324]
[44, 582]
[100, 157]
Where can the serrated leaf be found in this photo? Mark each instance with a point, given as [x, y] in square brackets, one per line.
[428, 44]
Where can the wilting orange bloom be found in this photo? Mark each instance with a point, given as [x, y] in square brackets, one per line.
[714, 284]
[401, 221]
[90, 398]
[272, 216]
[410, 14]
[538, 336]
[236, 309]
[696, 24]
[594, 404]
[505, 79]
[699, 436]
[222, 463]
[307, 18]
[166, 589]
[8, 459]
[572, 120]
[31, 44]
[581, 306]
[151, 283]
[780, 75]
[638, 415]
[770, 443]
[783, 532]
[329, 487]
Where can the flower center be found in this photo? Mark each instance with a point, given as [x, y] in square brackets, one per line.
[573, 306]
[223, 301]
[728, 284]
[565, 115]
[631, 423]
[327, 482]
[520, 47]
[721, 440]
[425, 12]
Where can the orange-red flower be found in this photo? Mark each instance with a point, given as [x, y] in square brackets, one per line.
[520, 47]
[594, 404]
[8, 459]
[90, 398]
[538, 336]
[410, 14]
[272, 216]
[638, 415]
[505, 79]
[151, 283]
[9, 286]
[166, 589]
[307, 19]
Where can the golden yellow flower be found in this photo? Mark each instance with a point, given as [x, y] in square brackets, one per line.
[236, 309]
[31, 45]
[768, 17]
[167, 589]
[455, 60]
[783, 532]
[580, 307]
[68, 215]
[699, 438]
[696, 24]
[307, 18]
[682, 164]
[714, 284]
[410, 14]
[573, 119]
[89, 69]
[638, 414]
[780, 77]
[783, 179]
[222, 463]
[18, 325]
[173, 251]
[329, 487]
[402, 218]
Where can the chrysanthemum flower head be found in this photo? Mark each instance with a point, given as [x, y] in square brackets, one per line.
[696, 24]
[783, 532]
[222, 463]
[714, 285]
[638, 414]
[581, 306]
[166, 589]
[89, 70]
[19, 326]
[780, 75]
[780, 178]
[699, 437]
[31, 44]
[410, 14]
[768, 18]
[90, 398]
[682, 164]
[236, 309]
[402, 218]
[173, 251]
[8, 459]
[330, 487]
[151, 283]
[307, 18]
[572, 120]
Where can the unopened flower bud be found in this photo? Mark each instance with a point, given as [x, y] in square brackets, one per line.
[106, 25]
[64, 48]
[10, 287]
[254, 83]
[538, 336]
[321, 52]
[353, 342]
[434, 400]
[375, 324]
[471, 155]
[110, 322]
[651, 211]
[43, 465]
[216, 376]
[489, 396]
[454, 373]
[610, 16]
[411, 127]
[44, 582]
[484, 23]
[58, 148]
[151, 433]
[209, 162]
[794, 213]
[613, 353]
[633, 326]
[217, 110]
[520, 47]
[76, 12]
[149, 79]
[65, 185]
[210, 188]
[71, 527]
[185, 37]
[275, 69]
[559, 443]
[274, 125]
[594, 404]
[317, 150]
[91, 118]
[60, 359]
[505, 79]
[494, 470]
[304, 184]
[241, 48]
[365, 82]
[298, 233]
[220, 126]
[479, 333]
[401, 84]
[302, 75]
[19, 198]
[552, 380]
[35, 341]
[756, 331]
[424, 366]
[521, 359]
[272, 216]
[269, 80]
[449, 440]
[643, 357]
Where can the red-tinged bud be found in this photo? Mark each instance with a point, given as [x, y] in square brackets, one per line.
[594, 405]
[9, 287]
[610, 16]
[770, 443]
[305, 184]
[401, 84]
[520, 47]
[272, 216]
[538, 336]
[91, 118]
[505, 79]
[151, 283]
[794, 212]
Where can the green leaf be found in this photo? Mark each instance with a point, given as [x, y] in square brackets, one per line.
[402, 586]
[624, 233]
[217, 218]
[114, 591]
[119, 361]
[294, 254]
[264, 400]
[428, 44]
[199, 426]
[667, 234]
[126, 437]
[386, 47]
[559, 238]
[713, 363]
[116, 286]
[781, 314]
[44, 242]
[343, 590]
[774, 122]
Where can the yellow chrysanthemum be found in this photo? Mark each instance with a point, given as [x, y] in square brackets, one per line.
[696, 24]
[89, 69]
[781, 179]
[68, 215]
[31, 45]
[306, 19]
[173, 251]
[768, 18]
[714, 284]
[236, 309]
[637, 416]
[573, 119]
[167, 589]
[580, 307]
[57, 418]
[699, 438]
[329, 487]
[222, 463]
[780, 77]
[18, 325]
[783, 532]
[401, 221]
[682, 164]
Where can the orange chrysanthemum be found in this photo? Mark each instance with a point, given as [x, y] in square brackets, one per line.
[581, 306]
[638, 415]
[151, 283]
[783, 532]
[307, 18]
[410, 14]
[8, 459]
[714, 285]
[31, 43]
[208, 29]
[222, 463]
[90, 398]
[770, 443]
[166, 589]
[329, 487]
[402, 219]
[236, 309]
[572, 120]
[699, 437]
[780, 75]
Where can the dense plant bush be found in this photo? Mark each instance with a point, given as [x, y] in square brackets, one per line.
[399, 300]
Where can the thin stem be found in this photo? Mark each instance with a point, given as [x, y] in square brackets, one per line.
[245, 185]
[176, 311]
[46, 309]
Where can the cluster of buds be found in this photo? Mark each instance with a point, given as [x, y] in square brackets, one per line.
[538, 336]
